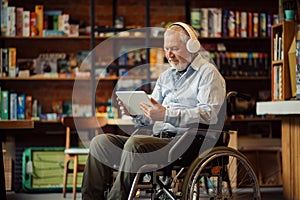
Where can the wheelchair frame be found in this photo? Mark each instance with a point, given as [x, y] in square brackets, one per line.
[165, 187]
[207, 165]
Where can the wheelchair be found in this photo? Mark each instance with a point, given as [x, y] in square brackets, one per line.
[218, 172]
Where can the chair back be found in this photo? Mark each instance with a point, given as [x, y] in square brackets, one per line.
[81, 124]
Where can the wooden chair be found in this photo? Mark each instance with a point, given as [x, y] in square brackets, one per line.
[72, 153]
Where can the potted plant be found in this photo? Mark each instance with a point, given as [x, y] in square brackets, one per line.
[289, 7]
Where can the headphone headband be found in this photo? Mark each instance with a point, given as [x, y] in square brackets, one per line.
[193, 44]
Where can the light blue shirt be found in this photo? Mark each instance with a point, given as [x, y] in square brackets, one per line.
[196, 97]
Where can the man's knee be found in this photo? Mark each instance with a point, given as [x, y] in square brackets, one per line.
[133, 144]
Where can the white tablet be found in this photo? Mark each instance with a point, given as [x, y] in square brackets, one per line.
[132, 100]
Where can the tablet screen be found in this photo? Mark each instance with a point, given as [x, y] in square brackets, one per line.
[132, 100]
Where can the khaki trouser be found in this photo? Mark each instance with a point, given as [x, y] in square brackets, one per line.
[130, 153]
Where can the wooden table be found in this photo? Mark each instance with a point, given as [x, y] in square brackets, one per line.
[10, 124]
[290, 139]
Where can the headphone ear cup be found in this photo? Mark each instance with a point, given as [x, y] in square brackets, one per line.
[193, 45]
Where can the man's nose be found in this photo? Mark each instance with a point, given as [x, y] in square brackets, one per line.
[169, 53]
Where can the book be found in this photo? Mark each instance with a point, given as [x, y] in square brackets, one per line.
[263, 25]
[210, 20]
[4, 62]
[231, 24]
[49, 19]
[204, 22]
[12, 62]
[244, 24]
[4, 104]
[13, 105]
[21, 106]
[11, 25]
[28, 107]
[237, 24]
[19, 21]
[225, 23]
[63, 23]
[196, 18]
[26, 23]
[33, 27]
[1, 73]
[269, 24]
[250, 24]
[39, 10]
[217, 22]
[4, 17]
[255, 24]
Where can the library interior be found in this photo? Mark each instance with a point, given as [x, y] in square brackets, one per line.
[62, 61]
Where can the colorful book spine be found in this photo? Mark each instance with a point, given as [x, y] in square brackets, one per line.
[210, 19]
[250, 24]
[21, 105]
[12, 62]
[13, 106]
[39, 10]
[63, 23]
[28, 107]
[263, 25]
[1, 67]
[231, 24]
[217, 22]
[238, 24]
[19, 21]
[4, 17]
[26, 23]
[4, 62]
[269, 24]
[244, 24]
[204, 22]
[33, 27]
[11, 12]
[225, 23]
[196, 18]
[255, 24]
[4, 104]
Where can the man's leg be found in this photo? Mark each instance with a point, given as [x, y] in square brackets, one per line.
[135, 155]
[103, 155]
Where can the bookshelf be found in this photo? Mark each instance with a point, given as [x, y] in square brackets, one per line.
[60, 88]
[281, 40]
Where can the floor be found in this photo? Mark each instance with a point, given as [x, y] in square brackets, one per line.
[273, 193]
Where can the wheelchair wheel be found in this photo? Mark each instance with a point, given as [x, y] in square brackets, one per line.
[221, 173]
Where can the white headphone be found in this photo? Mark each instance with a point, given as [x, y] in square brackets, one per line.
[193, 44]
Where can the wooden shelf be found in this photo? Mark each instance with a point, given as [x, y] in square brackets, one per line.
[280, 78]
[16, 124]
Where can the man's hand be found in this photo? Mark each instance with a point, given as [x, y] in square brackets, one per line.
[155, 112]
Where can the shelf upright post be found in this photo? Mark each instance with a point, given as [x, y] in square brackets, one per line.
[114, 12]
[92, 43]
[187, 11]
[147, 8]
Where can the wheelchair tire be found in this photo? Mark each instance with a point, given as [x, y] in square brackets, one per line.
[220, 173]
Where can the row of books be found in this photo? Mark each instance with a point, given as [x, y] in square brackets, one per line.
[242, 63]
[16, 106]
[277, 83]
[217, 22]
[15, 21]
[11, 66]
[278, 47]
[8, 62]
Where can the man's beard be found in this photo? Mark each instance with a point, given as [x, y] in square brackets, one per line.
[180, 66]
